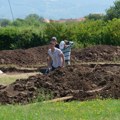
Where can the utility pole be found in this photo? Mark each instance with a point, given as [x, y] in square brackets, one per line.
[11, 10]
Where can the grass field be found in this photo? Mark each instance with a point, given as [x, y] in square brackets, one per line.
[89, 110]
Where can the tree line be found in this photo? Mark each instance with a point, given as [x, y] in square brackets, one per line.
[33, 31]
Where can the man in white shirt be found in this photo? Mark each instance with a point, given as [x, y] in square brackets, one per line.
[56, 57]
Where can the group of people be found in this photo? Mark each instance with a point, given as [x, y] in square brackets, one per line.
[58, 54]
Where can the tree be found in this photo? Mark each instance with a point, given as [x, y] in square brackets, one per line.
[114, 11]
[4, 22]
[94, 16]
[18, 22]
[34, 19]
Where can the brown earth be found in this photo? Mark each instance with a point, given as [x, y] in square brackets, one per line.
[27, 57]
[100, 53]
[37, 55]
[83, 82]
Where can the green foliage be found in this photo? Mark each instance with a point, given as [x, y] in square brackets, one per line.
[34, 19]
[55, 29]
[114, 11]
[111, 33]
[44, 95]
[95, 16]
[89, 32]
[5, 22]
[19, 22]
[30, 20]
[8, 36]
[13, 38]
[29, 38]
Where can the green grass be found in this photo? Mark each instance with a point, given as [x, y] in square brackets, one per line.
[89, 110]
[6, 79]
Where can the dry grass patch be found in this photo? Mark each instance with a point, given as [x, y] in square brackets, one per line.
[6, 79]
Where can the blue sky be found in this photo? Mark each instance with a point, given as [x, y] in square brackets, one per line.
[53, 9]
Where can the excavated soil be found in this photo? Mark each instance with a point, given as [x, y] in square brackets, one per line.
[100, 53]
[38, 55]
[27, 57]
[83, 82]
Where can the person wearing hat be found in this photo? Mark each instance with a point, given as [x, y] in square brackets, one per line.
[56, 57]
[65, 47]
[55, 40]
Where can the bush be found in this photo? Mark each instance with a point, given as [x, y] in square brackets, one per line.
[89, 32]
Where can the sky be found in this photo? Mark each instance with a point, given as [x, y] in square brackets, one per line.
[53, 9]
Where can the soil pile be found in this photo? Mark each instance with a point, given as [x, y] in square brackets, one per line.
[37, 55]
[82, 82]
[99, 53]
[21, 57]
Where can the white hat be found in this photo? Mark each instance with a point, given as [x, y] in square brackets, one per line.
[61, 45]
[54, 38]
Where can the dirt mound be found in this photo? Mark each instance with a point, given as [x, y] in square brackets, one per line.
[21, 57]
[82, 82]
[97, 53]
[37, 55]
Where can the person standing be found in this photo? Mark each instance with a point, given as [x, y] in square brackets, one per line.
[65, 47]
[56, 57]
